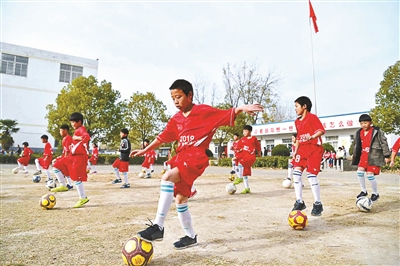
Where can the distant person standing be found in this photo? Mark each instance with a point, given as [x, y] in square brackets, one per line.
[18, 150]
[25, 157]
[45, 161]
[121, 164]
[265, 151]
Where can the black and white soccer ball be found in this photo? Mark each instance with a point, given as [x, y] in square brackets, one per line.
[364, 204]
[50, 184]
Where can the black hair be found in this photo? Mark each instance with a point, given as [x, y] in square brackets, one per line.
[25, 143]
[146, 140]
[365, 117]
[294, 135]
[182, 84]
[236, 134]
[95, 144]
[248, 127]
[125, 131]
[76, 117]
[44, 137]
[304, 100]
[65, 127]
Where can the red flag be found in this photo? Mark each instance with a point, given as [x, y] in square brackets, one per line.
[313, 17]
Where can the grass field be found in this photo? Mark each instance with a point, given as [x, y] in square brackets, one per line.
[234, 229]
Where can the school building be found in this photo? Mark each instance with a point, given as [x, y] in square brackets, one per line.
[340, 130]
[30, 80]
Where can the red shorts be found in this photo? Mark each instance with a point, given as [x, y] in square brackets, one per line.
[369, 168]
[45, 163]
[191, 163]
[77, 167]
[62, 165]
[122, 166]
[24, 160]
[93, 160]
[247, 160]
[309, 156]
[147, 162]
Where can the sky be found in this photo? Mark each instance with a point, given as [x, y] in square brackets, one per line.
[146, 45]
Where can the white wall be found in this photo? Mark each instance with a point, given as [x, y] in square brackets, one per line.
[25, 98]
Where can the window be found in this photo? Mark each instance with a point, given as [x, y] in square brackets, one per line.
[14, 65]
[333, 140]
[288, 143]
[269, 144]
[69, 72]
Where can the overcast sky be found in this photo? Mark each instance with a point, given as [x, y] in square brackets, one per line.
[145, 46]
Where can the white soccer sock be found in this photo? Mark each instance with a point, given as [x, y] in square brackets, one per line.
[193, 189]
[315, 188]
[60, 176]
[374, 184]
[94, 168]
[361, 179]
[19, 165]
[69, 180]
[38, 167]
[240, 174]
[116, 171]
[297, 184]
[26, 168]
[48, 174]
[125, 174]
[151, 167]
[233, 165]
[246, 181]
[164, 202]
[185, 218]
[81, 190]
[89, 165]
[147, 170]
[290, 170]
[165, 166]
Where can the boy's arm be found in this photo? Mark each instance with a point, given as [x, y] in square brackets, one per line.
[385, 147]
[149, 147]
[250, 109]
[392, 158]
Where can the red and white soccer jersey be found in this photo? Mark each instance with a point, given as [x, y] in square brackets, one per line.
[78, 160]
[95, 156]
[396, 146]
[149, 159]
[45, 161]
[25, 157]
[235, 150]
[247, 155]
[309, 152]
[62, 161]
[366, 137]
[194, 133]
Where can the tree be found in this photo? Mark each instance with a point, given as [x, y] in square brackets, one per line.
[146, 116]
[7, 128]
[246, 84]
[386, 113]
[97, 102]
[203, 93]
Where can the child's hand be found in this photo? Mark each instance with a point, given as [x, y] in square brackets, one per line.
[135, 153]
[387, 160]
[391, 164]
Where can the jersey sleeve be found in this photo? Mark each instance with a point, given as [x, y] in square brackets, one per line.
[170, 132]
[396, 146]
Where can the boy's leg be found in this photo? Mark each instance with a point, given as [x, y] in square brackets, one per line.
[82, 196]
[185, 218]
[151, 168]
[374, 186]
[315, 188]
[290, 170]
[193, 191]
[94, 168]
[61, 179]
[48, 174]
[38, 167]
[361, 179]
[19, 165]
[126, 182]
[239, 179]
[156, 230]
[118, 177]
[298, 189]
[69, 181]
[246, 185]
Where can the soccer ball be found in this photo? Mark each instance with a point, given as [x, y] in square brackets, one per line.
[287, 183]
[36, 178]
[15, 170]
[141, 175]
[48, 201]
[231, 188]
[137, 252]
[231, 177]
[297, 220]
[364, 204]
[51, 184]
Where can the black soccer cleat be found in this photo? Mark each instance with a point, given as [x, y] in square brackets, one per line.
[317, 209]
[299, 206]
[362, 194]
[152, 233]
[374, 197]
[186, 242]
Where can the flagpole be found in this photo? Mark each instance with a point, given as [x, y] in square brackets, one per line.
[313, 69]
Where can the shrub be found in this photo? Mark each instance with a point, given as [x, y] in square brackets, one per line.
[328, 147]
[280, 150]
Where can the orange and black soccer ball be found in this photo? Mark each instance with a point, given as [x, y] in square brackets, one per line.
[297, 220]
[137, 252]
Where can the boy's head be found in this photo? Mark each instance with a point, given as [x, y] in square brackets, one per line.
[294, 136]
[182, 94]
[235, 136]
[76, 120]
[124, 132]
[94, 145]
[64, 129]
[146, 142]
[365, 121]
[25, 144]
[44, 138]
[301, 104]
[247, 130]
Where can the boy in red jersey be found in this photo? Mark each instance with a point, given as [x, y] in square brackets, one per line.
[308, 155]
[193, 126]
[290, 164]
[149, 159]
[121, 164]
[371, 151]
[248, 147]
[78, 160]
[45, 161]
[395, 151]
[93, 159]
[25, 158]
[235, 164]
[60, 167]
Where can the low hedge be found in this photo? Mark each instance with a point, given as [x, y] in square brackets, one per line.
[280, 162]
